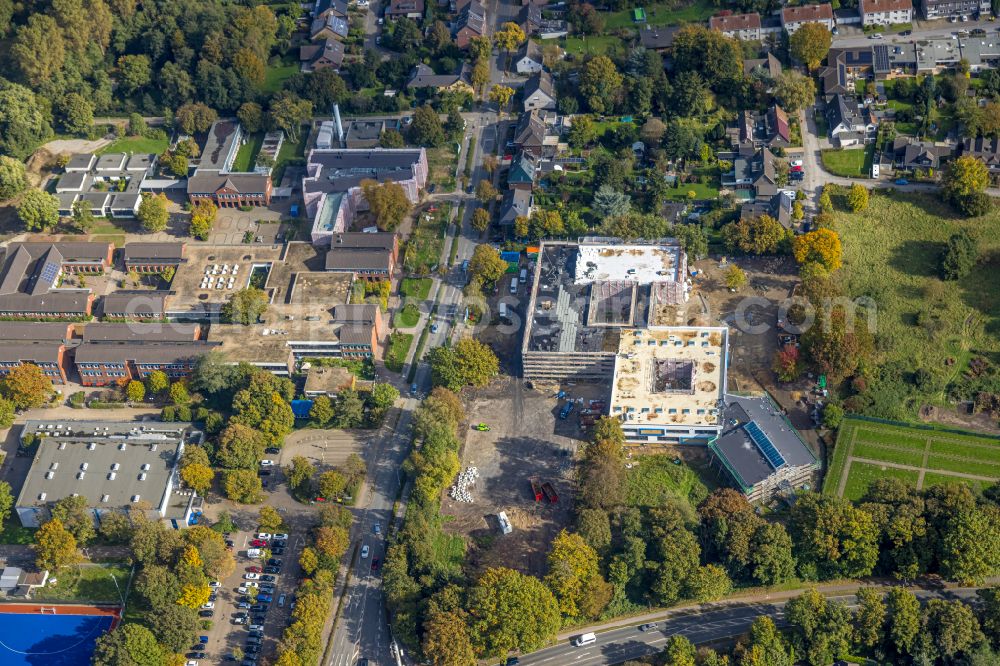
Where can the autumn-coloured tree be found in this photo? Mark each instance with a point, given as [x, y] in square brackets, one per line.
[821, 246]
[26, 386]
[308, 560]
[736, 278]
[202, 219]
[760, 235]
[268, 519]
[574, 577]
[857, 198]
[387, 201]
[332, 541]
[198, 477]
[135, 391]
[787, 364]
[810, 43]
[55, 546]
[480, 220]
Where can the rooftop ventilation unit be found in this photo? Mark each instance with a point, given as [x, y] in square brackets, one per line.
[83, 466]
[41, 497]
[111, 476]
[91, 446]
[135, 498]
[80, 475]
[115, 466]
[142, 476]
[49, 475]
[105, 498]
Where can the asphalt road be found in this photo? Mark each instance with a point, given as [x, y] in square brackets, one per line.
[935, 30]
[714, 625]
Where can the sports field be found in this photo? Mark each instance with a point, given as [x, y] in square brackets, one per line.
[866, 451]
[60, 636]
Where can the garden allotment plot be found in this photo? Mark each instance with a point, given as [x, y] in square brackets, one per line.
[866, 451]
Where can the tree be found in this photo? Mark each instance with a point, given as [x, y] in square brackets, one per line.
[810, 43]
[708, 583]
[135, 391]
[825, 204]
[12, 177]
[332, 542]
[858, 197]
[249, 66]
[759, 235]
[485, 192]
[24, 118]
[387, 201]
[581, 131]
[501, 96]
[349, 412]
[736, 278]
[710, 54]
[289, 113]
[321, 412]
[679, 651]
[6, 501]
[153, 212]
[820, 628]
[383, 396]
[600, 84]
[308, 560]
[870, 618]
[469, 363]
[486, 266]
[128, 645]
[509, 37]
[174, 627]
[77, 113]
[179, 393]
[652, 131]
[134, 72]
[903, 626]
[951, 627]
[594, 527]
[55, 546]
[821, 246]
[511, 611]
[299, 473]
[766, 646]
[39, 211]
[960, 256]
[194, 118]
[480, 220]
[331, 484]
[426, 129]
[26, 386]
[964, 176]
[251, 116]
[240, 447]
[157, 382]
[243, 486]
[245, 307]
[794, 91]
[610, 203]
[446, 640]
[38, 50]
[833, 539]
[391, 138]
[967, 548]
[202, 219]
[198, 477]
[7, 413]
[269, 520]
[574, 577]
[75, 517]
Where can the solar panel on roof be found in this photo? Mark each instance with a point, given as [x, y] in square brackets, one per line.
[763, 443]
[50, 272]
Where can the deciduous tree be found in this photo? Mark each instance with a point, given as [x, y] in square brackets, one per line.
[202, 219]
[795, 91]
[833, 539]
[39, 211]
[12, 177]
[135, 391]
[857, 199]
[194, 118]
[486, 266]
[245, 306]
[960, 256]
[575, 578]
[810, 43]
[387, 201]
[243, 486]
[904, 620]
[759, 235]
[446, 640]
[821, 246]
[480, 220]
[289, 113]
[469, 363]
[511, 611]
[820, 628]
[153, 212]
[240, 447]
[26, 386]
[426, 128]
[600, 84]
[55, 546]
[131, 644]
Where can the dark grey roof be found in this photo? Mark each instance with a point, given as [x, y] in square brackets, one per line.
[153, 333]
[218, 145]
[423, 76]
[357, 260]
[135, 304]
[105, 352]
[472, 17]
[355, 314]
[209, 182]
[31, 331]
[540, 82]
[38, 352]
[737, 449]
[335, 6]
[353, 240]
[340, 170]
[330, 49]
[658, 37]
[530, 129]
[516, 203]
[73, 180]
[81, 162]
[154, 251]
[53, 302]
[530, 49]
[355, 335]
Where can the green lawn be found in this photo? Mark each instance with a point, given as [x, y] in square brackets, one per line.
[135, 144]
[701, 191]
[408, 317]
[14, 533]
[965, 453]
[655, 479]
[891, 254]
[442, 162]
[87, 582]
[275, 77]
[247, 154]
[596, 45]
[662, 14]
[290, 151]
[418, 288]
[849, 163]
[395, 353]
[449, 552]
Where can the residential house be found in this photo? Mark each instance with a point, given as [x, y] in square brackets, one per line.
[779, 206]
[516, 203]
[940, 9]
[793, 18]
[658, 38]
[769, 66]
[367, 256]
[471, 22]
[327, 55]
[152, 257]
[522, 173]
[423, 77]
[754, 171]
[214, 180]
[777, 131]
[849, 124]
[529, 135]
[539, 92]
[529, 59]
[738, 26]
[329, 27]
[982, 148]
[325, 8]
[411, 9]
[535, 26]
[910, 154]
[770, 129]
[886, 12]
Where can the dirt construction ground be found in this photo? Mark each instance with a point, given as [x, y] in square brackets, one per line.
[526, 440]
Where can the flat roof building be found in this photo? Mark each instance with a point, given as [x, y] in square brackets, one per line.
[669, 383]
[760, 450]
[117, 466]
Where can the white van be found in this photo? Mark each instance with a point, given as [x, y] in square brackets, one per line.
[585, 639]
[503, 310]
[513, 285]
[524, 275]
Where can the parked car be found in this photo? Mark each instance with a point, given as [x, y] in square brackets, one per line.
[272, 570]
[195, 655]
[267, 463]
[257, 634]
[244, 605]
[256, 627]
[251, 576]
[269, 579]
[264, 536]
[253, 569]
[206, 613]
[280, 537]
[377, 528]
[258, 608]
[215, 584]
[272, 450]
[648, 626]
[274, 562]
[375, 564]
[258, 543]
[364, 551]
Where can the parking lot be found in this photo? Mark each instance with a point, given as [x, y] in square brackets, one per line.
[226, 633]
[526, 440]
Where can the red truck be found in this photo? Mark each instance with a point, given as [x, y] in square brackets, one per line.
[536, 490]
[550, 492]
